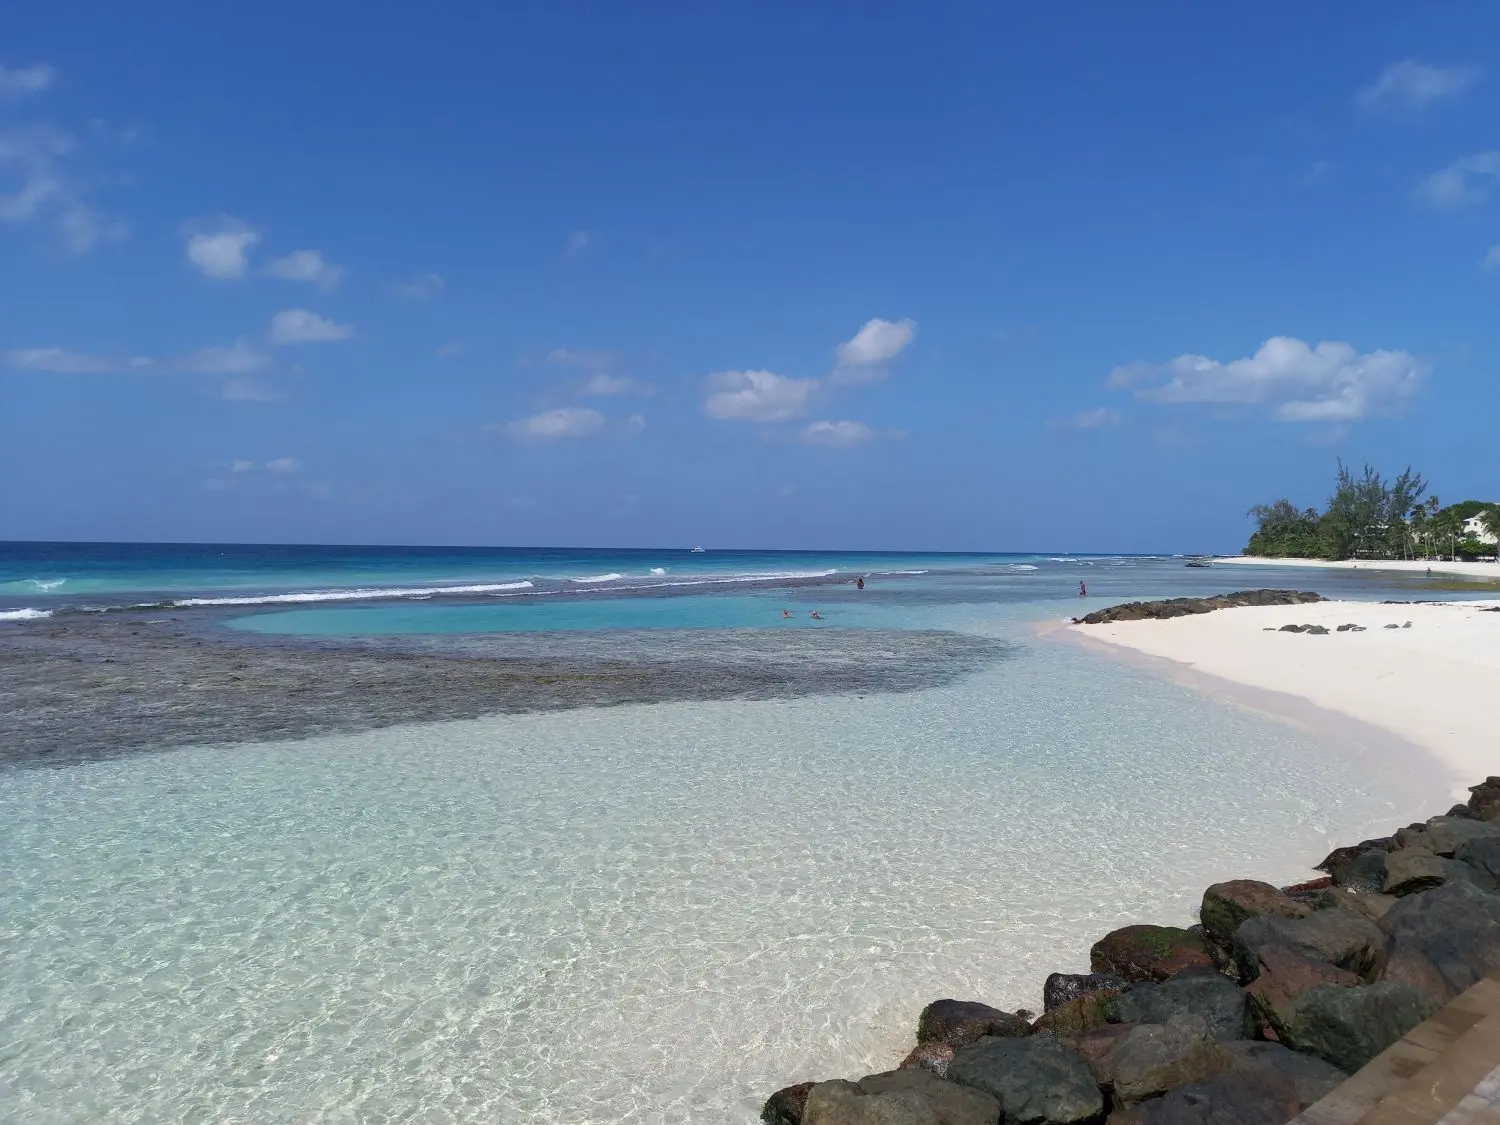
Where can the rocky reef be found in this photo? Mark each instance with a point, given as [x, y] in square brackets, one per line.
[1264, 1006]
[1184, 607]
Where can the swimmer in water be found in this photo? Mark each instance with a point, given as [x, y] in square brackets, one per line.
[859, 583]
[786, 613]
[816, 616]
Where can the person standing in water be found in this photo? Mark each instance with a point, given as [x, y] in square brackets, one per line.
[1083, 591]
[859, 583]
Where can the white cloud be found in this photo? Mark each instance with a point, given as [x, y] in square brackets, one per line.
[578, 242]
[603, 384]
[1492, 259]
[1464, 182]
[584, 359]
[26, 79]
[836, 433]
[424, 287]
[1327, 383]
[1410, 84]
[298, 326]
[564, 422]
[309, 266]
[863, 359]
[221, 254]
[757, 396]
[633, 424]
[1096, 419]
[238, 358]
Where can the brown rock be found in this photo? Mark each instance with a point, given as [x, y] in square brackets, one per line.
[1484, 799]
[785, 1106]
[898, 1097]
[1364, 904]
[1150, 953]
[931, 1057]
[1097, 1042]
[1226, 905]
[956, 1022]
[1078, 1016]
[1413, 869]
[1284, 975]
[1411, 966]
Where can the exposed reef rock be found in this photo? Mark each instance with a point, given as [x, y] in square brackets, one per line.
[1184, 607]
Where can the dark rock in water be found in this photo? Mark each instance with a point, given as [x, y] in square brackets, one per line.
[1036, 1080]
[785, 1106]
[1150, 953]
[1411, 870]
[1446, 834]
[1077, 1016]
[1484, 799]
[1284, 974]
[1483, 855]
[1340, 856]
[1347, 1027]
[1463, 812]
[1231, 1097]
[1311, 1077]
[1153, 1058]
[899, 1097]
[1183, 607]
[1455, 926]
[1064, 988]
[1364, 872]
[931, 1057]
[1213, 998]
[1302, 892]
[956, 1022]
[1226, 905]
[1335, 936]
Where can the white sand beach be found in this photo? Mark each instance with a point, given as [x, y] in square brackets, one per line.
[1435, 684]
[1487, 570]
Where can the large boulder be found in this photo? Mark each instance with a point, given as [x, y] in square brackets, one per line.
[1226, 905]
[1230, 1097]
[1413, 869]
[1064, 988]
[1283, 975]
[1347, 1027]
[1311, 1077]
[1151, 1059]
[1362, 903]
[1036, 1080]
[956, 1022]
[1482, 854]
[1339, 937]
[1214, 998]
[1361, 867]
[1409, 965]
[1147, 953]
[1446, 834]
[1340, 856]
[899, 1097]
[931, 1057]
[1456, 927]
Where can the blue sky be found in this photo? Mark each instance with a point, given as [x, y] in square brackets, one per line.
[948, 276]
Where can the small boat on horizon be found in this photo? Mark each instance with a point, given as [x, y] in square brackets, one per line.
[697, 551]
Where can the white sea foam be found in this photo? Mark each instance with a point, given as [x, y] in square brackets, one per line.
[23, 614]
[354, 595]
[46, 583]
[658, 570]
[1022, 566]
[612, 576]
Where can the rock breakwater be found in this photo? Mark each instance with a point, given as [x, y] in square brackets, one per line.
[1185, 607]
[1259, 1010]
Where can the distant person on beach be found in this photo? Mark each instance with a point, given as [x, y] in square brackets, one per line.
[859, 583]
[1083, 591]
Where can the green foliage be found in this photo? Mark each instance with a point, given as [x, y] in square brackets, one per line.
[1365, 517]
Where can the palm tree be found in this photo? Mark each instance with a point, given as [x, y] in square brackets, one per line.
[1491, 520]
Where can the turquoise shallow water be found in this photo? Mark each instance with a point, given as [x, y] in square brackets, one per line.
[653, 913]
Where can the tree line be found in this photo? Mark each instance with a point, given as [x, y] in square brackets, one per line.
[1368, 517]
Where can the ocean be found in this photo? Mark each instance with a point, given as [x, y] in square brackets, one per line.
[753, 868]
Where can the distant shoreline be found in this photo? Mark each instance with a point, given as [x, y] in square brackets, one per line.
[1481, 570]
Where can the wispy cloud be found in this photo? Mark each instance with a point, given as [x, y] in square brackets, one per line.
[22, 80]
[1331, 382]
[1414, 85]
[564, 422]
[578, 242]
[1463, 183]
[35, 159]
[280, 466]
[220, 250]
[840, 434]
[864, 358]
[422, 288]
[1101, 418]
[299, 326]
[239, 358]
[309, 266]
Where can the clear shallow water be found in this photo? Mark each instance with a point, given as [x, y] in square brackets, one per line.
[654, 913]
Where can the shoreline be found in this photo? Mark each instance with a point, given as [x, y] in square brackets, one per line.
[1480, 571]
[1388, 688]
